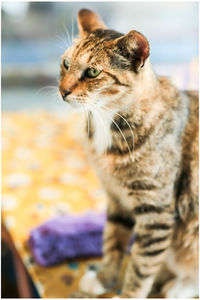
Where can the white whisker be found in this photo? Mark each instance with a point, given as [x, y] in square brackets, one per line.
[72, 29]
[64, 40]
[120, 132]
[82, 113]
[98, 135]
[88, 122]
[86, 111]
[68, 36]
[131, 130]
[48, 88]
[62, 48]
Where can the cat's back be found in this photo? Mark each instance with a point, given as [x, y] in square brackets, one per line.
[184, 257]
[190, 140]
[193, 124]
[191, 133]
[189, 181]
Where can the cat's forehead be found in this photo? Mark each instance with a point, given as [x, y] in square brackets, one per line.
[85, 52]
[78, 58]
[93, 47]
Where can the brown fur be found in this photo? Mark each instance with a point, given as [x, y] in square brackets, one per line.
[151, 182]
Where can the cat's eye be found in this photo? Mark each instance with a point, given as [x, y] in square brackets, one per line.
[92, 73]
[66, 64]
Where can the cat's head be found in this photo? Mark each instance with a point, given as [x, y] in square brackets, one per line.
[103, 67]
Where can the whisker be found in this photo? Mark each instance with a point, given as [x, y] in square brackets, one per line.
[100, 119]
[88, 123]
[72, 29]
[63, 40]
[86, 112]
[62, 48]
[82, 113]
[131, 130]
[68, 36]
[120, 132]
[48, 88]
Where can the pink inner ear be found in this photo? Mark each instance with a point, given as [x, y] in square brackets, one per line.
[135, 41]
[143, 47]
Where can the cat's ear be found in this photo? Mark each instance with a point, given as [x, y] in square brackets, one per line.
[135, 47]
[89, 21]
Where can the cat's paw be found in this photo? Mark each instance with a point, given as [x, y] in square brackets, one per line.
[179, 289]
[89, 283]
[181, 292]
[108, 276]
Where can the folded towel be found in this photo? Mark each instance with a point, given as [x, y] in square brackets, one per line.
[67, 237]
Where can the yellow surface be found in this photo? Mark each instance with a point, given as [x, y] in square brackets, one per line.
[45, 174]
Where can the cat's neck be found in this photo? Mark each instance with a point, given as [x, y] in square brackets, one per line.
[145, 106]
[101, 123]
[147, 84]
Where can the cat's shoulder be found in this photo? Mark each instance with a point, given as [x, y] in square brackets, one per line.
[193, 96]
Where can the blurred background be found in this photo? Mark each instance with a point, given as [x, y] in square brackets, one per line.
[34, 35]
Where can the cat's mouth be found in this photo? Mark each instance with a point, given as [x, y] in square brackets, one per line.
[76, 102]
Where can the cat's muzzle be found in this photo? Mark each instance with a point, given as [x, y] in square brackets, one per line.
[64, 94]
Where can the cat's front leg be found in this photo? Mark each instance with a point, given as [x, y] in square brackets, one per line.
[153, 229]
[117, 233]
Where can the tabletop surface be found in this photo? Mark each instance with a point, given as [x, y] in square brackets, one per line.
[45, 174]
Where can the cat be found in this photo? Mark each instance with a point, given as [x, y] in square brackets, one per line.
[142, 140]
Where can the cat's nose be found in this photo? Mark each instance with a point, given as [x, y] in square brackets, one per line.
[65, 93]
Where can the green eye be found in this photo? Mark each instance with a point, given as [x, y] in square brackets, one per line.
[91, 73]
[66, 64]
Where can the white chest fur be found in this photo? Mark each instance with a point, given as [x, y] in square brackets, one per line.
[102, 134]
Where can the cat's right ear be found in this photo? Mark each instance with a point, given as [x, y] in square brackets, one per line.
[88, 21]
[135, 47]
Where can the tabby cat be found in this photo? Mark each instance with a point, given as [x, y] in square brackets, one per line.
[143, 143]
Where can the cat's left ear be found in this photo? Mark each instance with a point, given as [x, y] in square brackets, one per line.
[135, 47]
[88, 21]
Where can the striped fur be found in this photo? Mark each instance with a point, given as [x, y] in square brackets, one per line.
[147, 160]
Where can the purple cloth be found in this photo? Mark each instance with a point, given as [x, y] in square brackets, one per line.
[67, 237]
